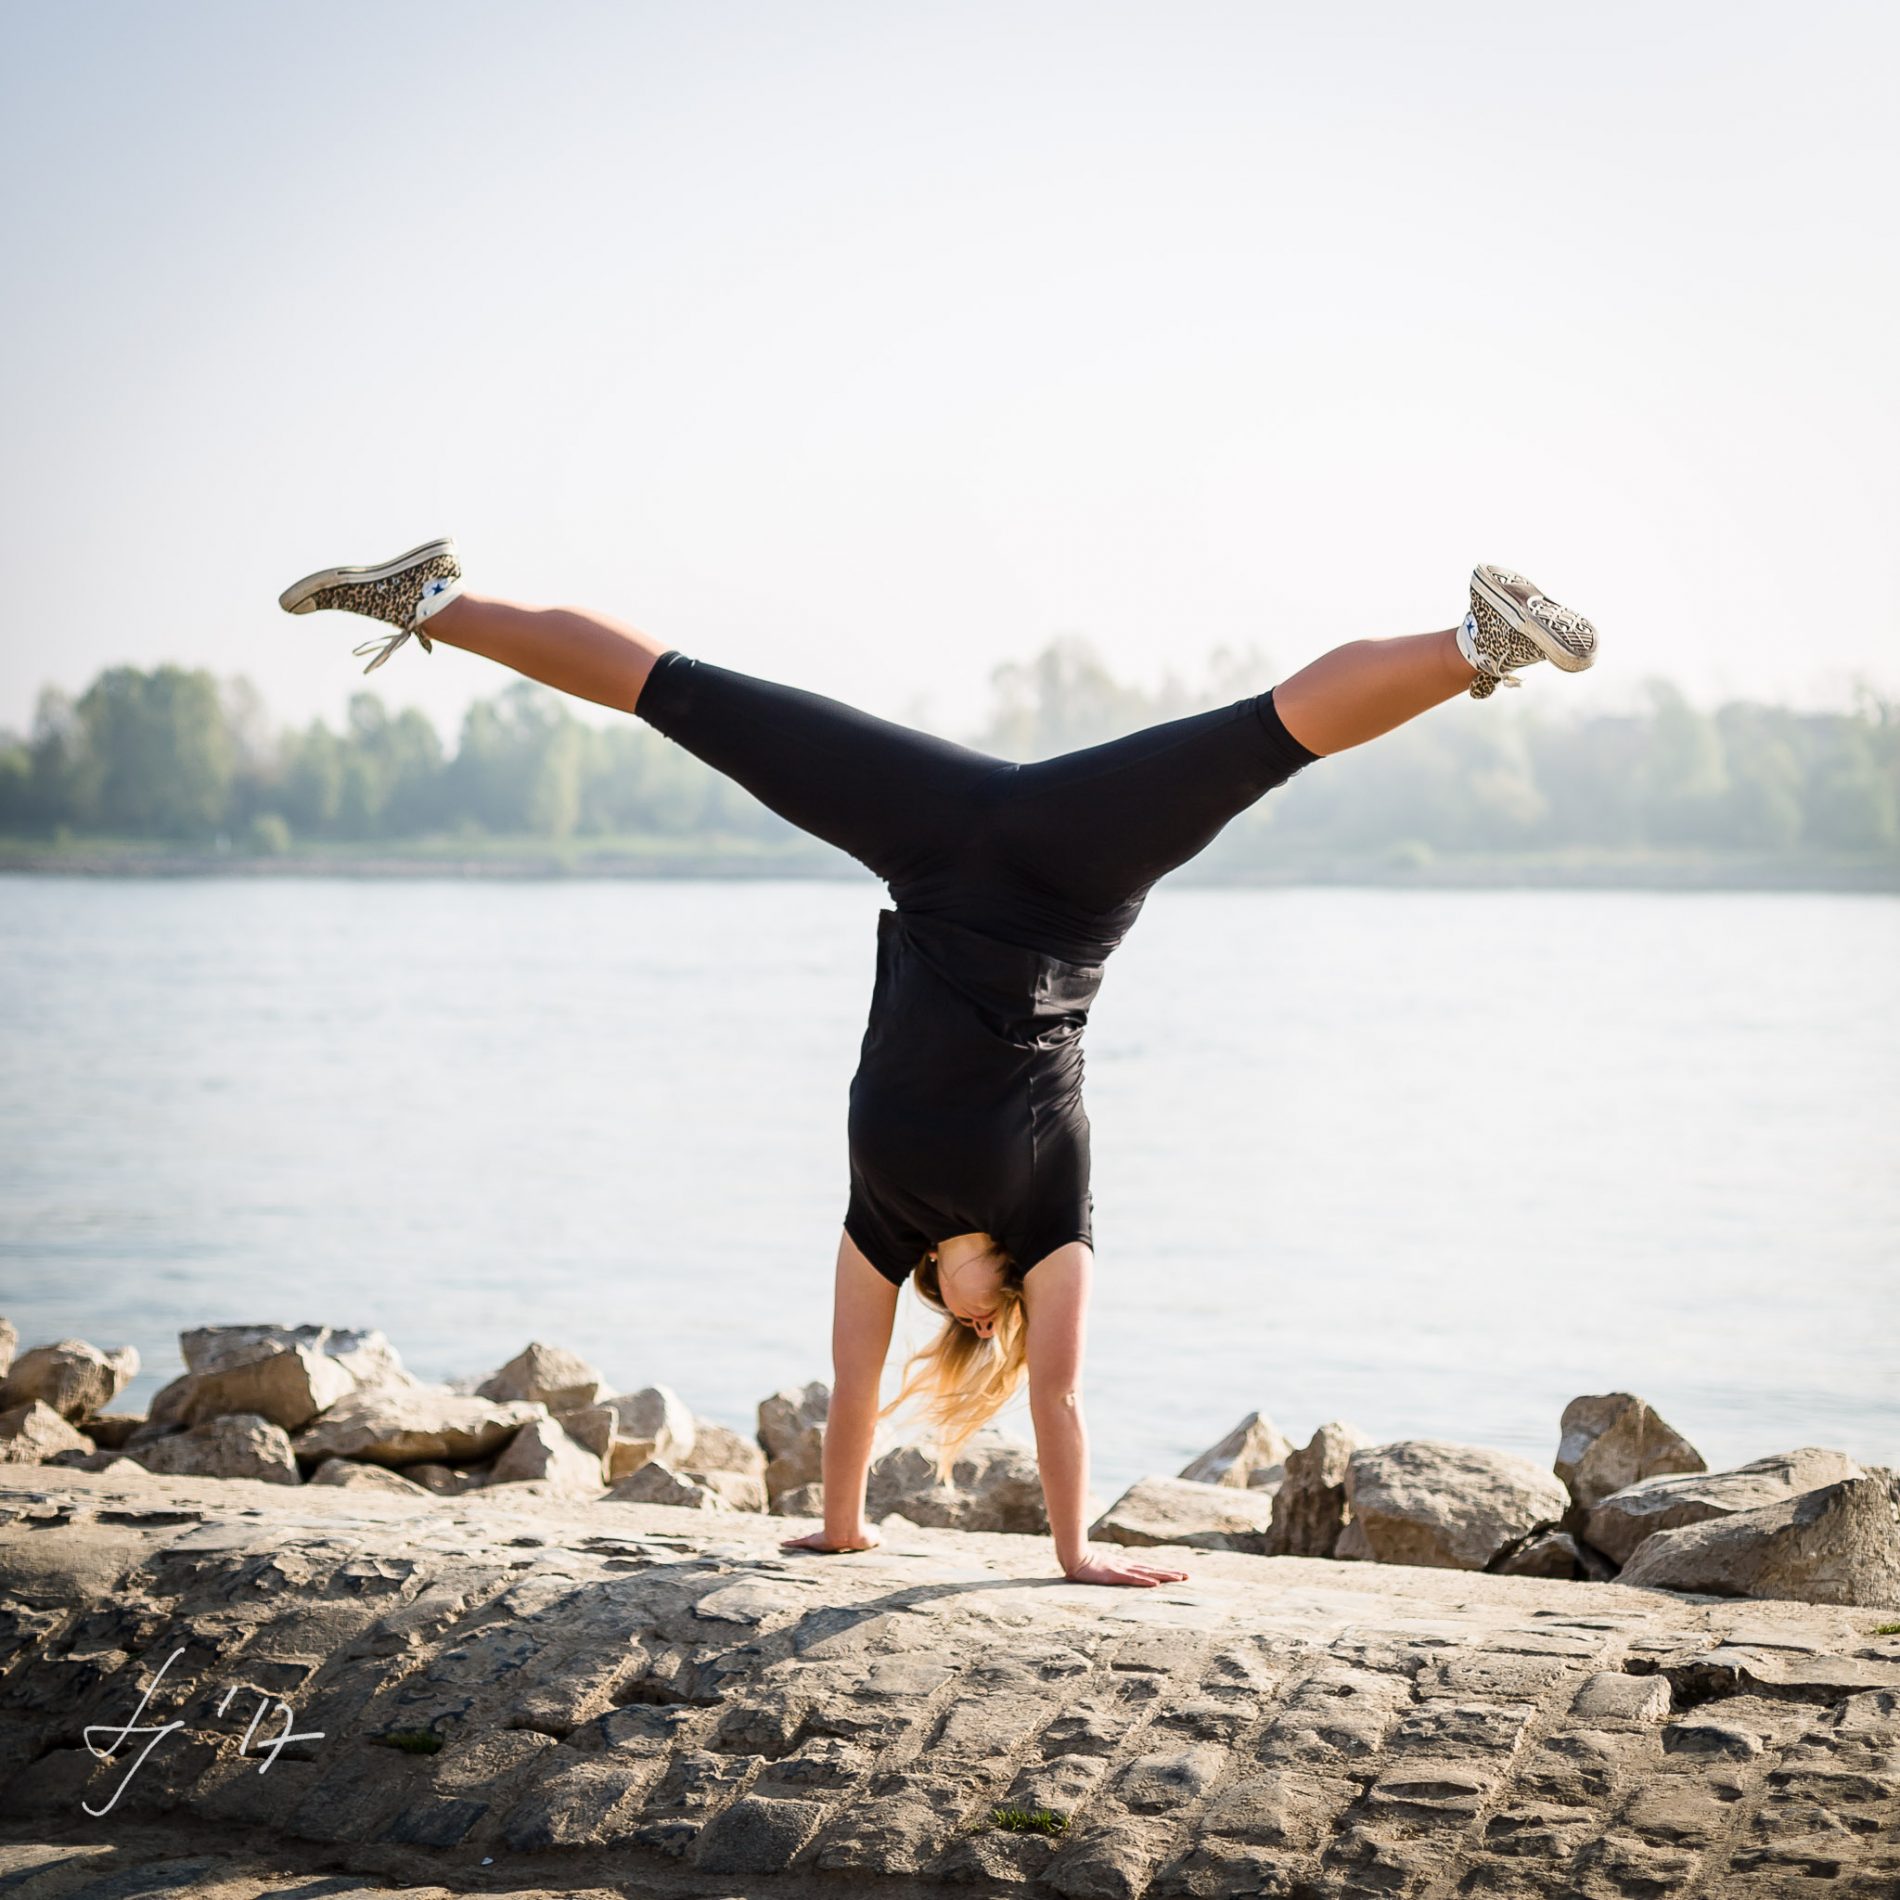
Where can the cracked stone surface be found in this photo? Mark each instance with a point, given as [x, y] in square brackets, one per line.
[378, 1695]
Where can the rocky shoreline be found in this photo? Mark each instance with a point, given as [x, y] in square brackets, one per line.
[522, 1635]
[1627, 1495]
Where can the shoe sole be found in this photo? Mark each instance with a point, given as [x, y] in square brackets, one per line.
[297, 598]
[1563, 637]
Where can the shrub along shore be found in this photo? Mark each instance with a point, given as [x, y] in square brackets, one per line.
[1627, 1497]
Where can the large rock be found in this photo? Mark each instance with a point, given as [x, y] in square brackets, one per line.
[447, 1481]
[541, 1449]
[401, 1426]
[1624, 1519]
[719, 1448]
[629, 1428]
[789, 1413]
[288, 1374]
[110, 1430]
[803, 1500]
[360, 1477]
[741, 1489]
[34, 1432]
[1839, 1544]
[1613, 1440]
[363, 1352]
[1554, 1554]
[792, 1431]
[994, 1486]
[657, 1483]
[9, 1344]
[74, 1378]
[1245, 1458]
[1452, 1507]
[801, 1463]
[236, 1445]
[1309, 1507]
[1211, 1516]
[561, 1380]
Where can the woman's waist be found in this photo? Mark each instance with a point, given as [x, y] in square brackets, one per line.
[938, 981]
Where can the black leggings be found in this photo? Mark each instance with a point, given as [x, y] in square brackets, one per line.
[1057, 856]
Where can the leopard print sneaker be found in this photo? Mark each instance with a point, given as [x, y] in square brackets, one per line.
[403, 592]
[1512, 623]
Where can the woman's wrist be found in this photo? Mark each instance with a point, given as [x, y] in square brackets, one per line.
[1072, 1559]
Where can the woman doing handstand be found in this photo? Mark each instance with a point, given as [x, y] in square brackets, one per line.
[1011, 884]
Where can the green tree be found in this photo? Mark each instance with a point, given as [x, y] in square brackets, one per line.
[154, 758]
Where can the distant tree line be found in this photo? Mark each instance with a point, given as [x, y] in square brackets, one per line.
[177, 755]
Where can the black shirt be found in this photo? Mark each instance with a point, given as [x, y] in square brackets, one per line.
[966, 1109]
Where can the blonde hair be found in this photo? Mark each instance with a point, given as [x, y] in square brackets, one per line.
[965, 1379]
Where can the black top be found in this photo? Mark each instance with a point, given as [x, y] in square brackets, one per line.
[966, 1110]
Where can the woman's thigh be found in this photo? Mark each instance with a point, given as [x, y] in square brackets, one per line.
[1100, 825]
[896, 799]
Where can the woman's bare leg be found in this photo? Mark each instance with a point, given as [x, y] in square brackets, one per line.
[1367, 687]
[582, 653]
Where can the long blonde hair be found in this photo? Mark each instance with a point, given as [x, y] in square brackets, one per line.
[966, 1379]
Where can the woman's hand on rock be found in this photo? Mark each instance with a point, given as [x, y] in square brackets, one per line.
[1123, 1570]
[865, 1537]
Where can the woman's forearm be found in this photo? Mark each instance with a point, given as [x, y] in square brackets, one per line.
[850, 1429]
[1062, 1451]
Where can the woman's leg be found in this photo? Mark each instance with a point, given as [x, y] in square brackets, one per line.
[1356, 692]
[895, 799]
[585, 654]
[1086, 835]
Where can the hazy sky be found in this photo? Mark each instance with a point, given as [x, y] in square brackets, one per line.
[867, 346]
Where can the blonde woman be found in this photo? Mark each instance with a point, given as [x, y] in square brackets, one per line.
[968, 1144]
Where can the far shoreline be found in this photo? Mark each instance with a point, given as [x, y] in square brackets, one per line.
[1409, 866]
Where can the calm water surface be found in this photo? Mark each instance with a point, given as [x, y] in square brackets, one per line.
[1433, 1162]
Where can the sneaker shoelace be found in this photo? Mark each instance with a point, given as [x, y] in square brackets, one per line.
[383, 645]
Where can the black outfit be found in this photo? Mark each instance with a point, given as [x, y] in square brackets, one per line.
[1012, 884]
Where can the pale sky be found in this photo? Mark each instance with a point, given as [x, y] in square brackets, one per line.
[868, 346]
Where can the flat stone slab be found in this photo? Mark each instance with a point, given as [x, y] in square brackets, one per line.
[332, 1693]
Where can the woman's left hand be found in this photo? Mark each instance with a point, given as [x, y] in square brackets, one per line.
[1122, 1570]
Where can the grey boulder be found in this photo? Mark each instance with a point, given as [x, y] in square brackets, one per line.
[792, 1432]
[719, 1448]
[1247, 1457]
[1309, 1505]
[32, 1432]
[1613, 1440]
[1623, 1520]
[994, 1485]
[1554, 1554]
[398, 1426]
[71, 1376]
[628, 1428]
[1838, 1544]
[541, 1449]
[561, 1380]
[1445, 1506]
[353, 1476]
[288, 1374]
[234, 1445]
[657, 1483]
[1183, 1511]
[789, 1413]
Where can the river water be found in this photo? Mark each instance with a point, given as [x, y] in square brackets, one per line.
[1432, 1162]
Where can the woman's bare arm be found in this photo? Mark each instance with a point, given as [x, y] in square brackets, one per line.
[863, 1312]
[1055, 1304]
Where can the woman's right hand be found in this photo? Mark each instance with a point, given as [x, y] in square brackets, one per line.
[1124, 1570]
[865, 1537]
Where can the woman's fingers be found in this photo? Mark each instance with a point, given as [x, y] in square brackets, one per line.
[817, 1540]
[1125, 1571]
